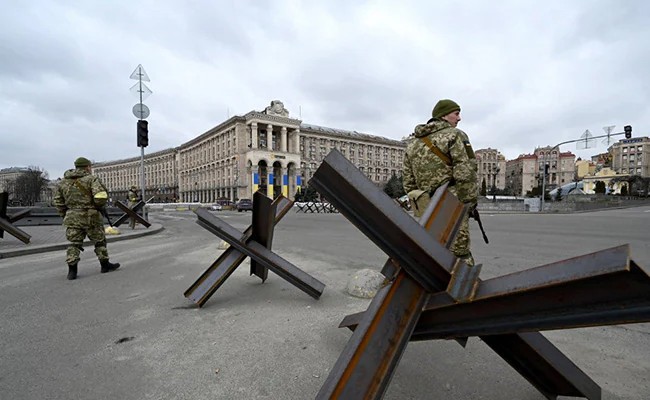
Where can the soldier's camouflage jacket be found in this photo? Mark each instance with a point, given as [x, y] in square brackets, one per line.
[77, 203]
[424, 171]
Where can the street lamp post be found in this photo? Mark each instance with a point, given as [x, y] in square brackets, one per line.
[627, 131]
[494, 184]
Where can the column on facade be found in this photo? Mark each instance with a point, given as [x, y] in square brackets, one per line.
[296, 141]
[283, 139]
[254, 135]
[269, 137]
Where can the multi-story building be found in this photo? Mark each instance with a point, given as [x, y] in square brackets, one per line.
[584, 168]
[522, 174]
[8, 177]
[491, 168]
[161, 172]
[561, 166]
[261, 150]
[631, 156]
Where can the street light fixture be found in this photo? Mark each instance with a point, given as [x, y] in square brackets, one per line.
[627, 131]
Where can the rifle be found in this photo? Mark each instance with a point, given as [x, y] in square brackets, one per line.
[477, 217]
[104, 212]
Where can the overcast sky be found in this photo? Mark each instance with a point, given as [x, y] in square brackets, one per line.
[526, 73]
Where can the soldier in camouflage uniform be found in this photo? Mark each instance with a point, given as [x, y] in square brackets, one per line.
[134, 198]
[424, 170]
[78, 199]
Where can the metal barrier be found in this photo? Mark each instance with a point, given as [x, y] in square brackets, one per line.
[255, 242]
[315, 207]
[8, 223]
[431, 294]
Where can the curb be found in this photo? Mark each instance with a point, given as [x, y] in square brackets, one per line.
[44, 248]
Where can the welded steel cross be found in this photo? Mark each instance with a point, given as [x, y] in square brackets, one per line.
[131, 212]
[431, 294]
[255, 242]
[7, 222]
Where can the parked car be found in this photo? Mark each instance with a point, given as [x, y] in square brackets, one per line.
[216, 207]
[244, 205]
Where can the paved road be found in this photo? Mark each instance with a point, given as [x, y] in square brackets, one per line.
[132, 335]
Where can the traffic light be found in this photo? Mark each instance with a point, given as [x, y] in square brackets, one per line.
[143, 133]
[628, 131]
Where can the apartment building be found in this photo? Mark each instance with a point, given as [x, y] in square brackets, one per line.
[262, 150]
[8, 177]
[491, 168]
[522, 174]
[561, 166]
[631, 156]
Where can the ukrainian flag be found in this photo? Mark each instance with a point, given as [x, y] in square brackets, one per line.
[256, 182]
[269, 186]
[285, 185]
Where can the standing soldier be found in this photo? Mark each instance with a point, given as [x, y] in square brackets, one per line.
[134, 198]
[78, 200]
[441, 153]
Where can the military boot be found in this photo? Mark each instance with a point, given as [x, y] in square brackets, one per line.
[107, 266]
[72, 271]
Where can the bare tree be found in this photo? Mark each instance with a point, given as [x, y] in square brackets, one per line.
[29, 185]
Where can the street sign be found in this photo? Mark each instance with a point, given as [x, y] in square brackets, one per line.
[140, 74]
[141, 111]
[140, 91]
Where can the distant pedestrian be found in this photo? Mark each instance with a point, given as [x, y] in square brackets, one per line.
[78, 199]
[134, 198]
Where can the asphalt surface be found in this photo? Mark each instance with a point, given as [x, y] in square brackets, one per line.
[131, 334]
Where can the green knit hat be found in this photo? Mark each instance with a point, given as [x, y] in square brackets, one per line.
[82, 162]
[444, 107]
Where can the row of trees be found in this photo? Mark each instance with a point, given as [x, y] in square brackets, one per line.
[28, 187]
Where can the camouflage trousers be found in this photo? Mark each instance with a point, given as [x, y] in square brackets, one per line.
[132, 219]
[461, 245]
[76, 237]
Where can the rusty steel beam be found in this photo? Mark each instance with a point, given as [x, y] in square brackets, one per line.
[383, 222]
[367, 364]
[430, 264]
[6, 222]
[18, 215]
[601, 288]
[16, 232]
[263, 224]
[131, 212]
[261, 254]
[208, 283]
[543, 365]
[364, 368]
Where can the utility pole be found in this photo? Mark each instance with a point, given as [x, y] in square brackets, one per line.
[587, 138]
[141, 112]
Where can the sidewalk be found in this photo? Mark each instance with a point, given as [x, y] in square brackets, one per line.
[52, 237]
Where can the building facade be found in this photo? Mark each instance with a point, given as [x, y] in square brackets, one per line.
[522, 174]
[631, 156]
[584, 168]
[262, 150]
[8, 177]
[561, 166]
[491, 168]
